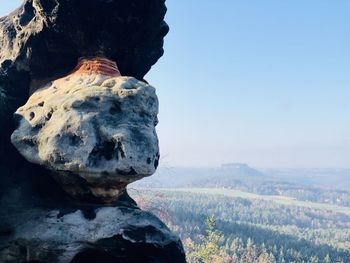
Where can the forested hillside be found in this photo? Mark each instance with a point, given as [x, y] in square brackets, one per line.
[239, 227]
[330, 186]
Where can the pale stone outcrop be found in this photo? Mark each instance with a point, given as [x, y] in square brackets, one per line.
[45, 227]
[93, 125]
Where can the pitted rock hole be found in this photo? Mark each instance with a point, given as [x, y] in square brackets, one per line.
[75, 140]
[115, 108]
[106, 150]
[31, 116]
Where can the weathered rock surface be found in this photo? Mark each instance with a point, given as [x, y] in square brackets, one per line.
[93, 128]
[115, 234]
[45, 37]
[42, 40]
[94, 133]
[39, 224]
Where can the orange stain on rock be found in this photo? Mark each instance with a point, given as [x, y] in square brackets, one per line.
[97, 65]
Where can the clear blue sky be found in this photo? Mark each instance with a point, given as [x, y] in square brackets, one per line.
[262, 82]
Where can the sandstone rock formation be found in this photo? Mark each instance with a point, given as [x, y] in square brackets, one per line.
[86, 131]
[93, 125]
[43, 39]
[46, 37]
[38, 224]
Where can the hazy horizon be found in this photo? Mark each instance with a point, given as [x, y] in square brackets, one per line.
[165, 166]
[262, 83]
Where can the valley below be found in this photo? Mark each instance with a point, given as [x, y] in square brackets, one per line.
[242, 217]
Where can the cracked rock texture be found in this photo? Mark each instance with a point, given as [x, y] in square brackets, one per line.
[95, 131]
